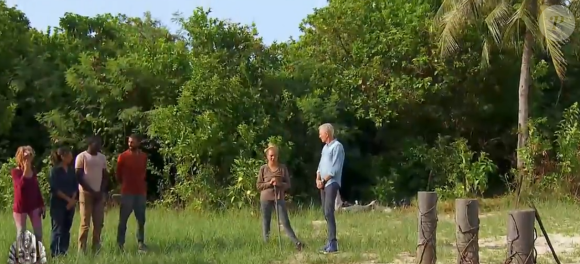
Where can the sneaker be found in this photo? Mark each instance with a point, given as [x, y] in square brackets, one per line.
[121, 248]
[299, 246]
[323, 249]
[142, 247]
[332, 247]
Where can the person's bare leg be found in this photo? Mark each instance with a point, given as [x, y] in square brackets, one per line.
[20, 222]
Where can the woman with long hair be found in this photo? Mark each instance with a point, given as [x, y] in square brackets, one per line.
[64, 192]
[273, 182]
[28, 200]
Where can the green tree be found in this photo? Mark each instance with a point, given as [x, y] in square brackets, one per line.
[15, 30]
[500, 22]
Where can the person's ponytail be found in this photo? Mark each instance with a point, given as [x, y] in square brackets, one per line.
[55, 159]
[57, 154]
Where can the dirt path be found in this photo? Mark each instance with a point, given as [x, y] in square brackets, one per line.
[563, 245]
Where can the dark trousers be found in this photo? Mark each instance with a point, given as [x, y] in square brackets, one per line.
[130, 204]
[328, 197]
[62, 220]
[267, 207]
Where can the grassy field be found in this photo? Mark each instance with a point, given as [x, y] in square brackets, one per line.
[373, 237]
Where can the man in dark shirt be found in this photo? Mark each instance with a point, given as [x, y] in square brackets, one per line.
[64, 190]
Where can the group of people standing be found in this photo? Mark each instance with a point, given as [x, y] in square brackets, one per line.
[84, 181]
[274, 180]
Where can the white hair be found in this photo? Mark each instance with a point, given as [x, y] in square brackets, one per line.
[328, 128]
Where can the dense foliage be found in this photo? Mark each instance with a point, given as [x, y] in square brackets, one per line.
[210, 97]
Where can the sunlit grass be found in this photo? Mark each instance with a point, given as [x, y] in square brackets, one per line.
[235, 236]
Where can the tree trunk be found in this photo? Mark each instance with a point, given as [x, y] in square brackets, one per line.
[521, 237]
[523, 97]
[523, 92]
[467, 231]
[427, 228]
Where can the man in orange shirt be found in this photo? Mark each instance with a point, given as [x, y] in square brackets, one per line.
[131, 173]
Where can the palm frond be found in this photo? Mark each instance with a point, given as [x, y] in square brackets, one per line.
[497, 19]
[574, 6]
[521, 16]
[452, 17]
[486, 51]
[448, 42]
[512, 34]
[555, 35]
[503, 22]
[554, 49]
[530, 19]
[446, 7]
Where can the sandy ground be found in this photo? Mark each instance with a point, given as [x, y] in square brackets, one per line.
[563, 244]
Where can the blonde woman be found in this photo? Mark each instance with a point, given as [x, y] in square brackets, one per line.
[270, 175]
[28, 200]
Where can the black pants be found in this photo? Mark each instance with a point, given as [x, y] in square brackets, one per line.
[62, 220]
[130, 204]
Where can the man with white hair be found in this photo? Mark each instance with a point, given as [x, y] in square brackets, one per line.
[328, 180]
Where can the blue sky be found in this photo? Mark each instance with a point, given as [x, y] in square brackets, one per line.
[275, 19]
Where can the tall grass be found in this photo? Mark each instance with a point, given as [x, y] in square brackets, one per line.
[235, 236]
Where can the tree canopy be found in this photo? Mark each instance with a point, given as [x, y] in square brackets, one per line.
[210, 97]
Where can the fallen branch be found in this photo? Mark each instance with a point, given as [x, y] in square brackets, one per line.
[545, 233]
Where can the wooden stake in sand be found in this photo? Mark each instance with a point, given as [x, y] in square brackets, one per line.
[521, 237]
[467, 230]
[427, 228]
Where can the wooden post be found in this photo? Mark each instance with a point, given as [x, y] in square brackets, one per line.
[467, 230]
[427, 228]
[521, 237]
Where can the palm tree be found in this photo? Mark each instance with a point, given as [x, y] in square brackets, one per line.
[502, 20]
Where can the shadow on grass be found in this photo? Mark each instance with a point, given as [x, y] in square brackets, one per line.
[200, 248]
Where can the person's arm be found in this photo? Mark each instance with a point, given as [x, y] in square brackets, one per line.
[105, 180]
[337, 161]
[75, 195]
[318, 172]
[39, 199]
[55, 186]
[286, 182]
[18, 177]
[146, 165]
[119, 170]
[261, 184]
[80, 173]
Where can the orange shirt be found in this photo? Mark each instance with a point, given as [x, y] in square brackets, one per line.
[132, 171]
